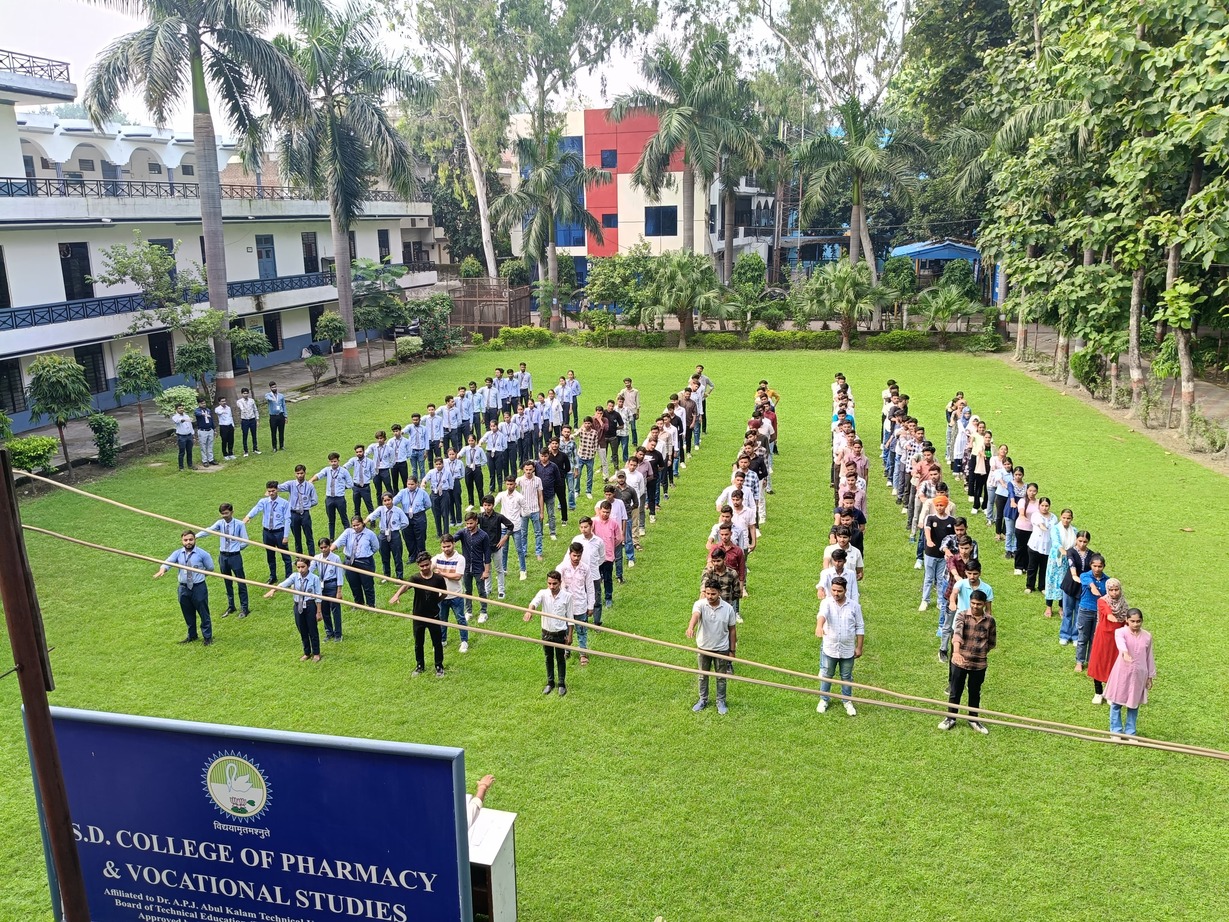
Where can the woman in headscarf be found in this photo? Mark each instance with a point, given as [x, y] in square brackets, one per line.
[1061, 539]
[965, 425]
[1111, 615]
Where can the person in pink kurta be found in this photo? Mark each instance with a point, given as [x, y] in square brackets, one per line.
[1132, 674]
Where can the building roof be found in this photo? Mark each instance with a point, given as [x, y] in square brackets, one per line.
[938, 249]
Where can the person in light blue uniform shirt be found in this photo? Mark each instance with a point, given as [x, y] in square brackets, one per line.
[490, 400]
[193, 593]
[185, 435]
[231, 542]
[327, 567]
[274, 515]
[452, 424]
[439, 485]
[435, 434]
[416, 432]
[362, 471]
[494, 443]
[474, 459]
[415, 502]
[276, 404]
[337, 481]
[358, 546]
[303, 498]
[390, 522]
[465, 407]
[383, 455]
[303, 585]
[401, 458]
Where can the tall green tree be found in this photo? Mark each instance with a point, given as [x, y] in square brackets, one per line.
[137, 376]
[851, 295]
[345, 142]
[684, 284]
[550, 192]
[199, 48]
[379, 300]
[58, 390]
[245, 344]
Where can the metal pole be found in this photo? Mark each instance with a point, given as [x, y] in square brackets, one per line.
[25, 628]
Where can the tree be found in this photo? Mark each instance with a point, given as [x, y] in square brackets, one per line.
[332, 329]
[196, 361]
[944, 305]
[379, 301]
[58, 390]
[245, 344]
[850, 293]
[136, 375]
[551, 192]
[344, 142]
[218, 47]
[170, 294]
[6, 427]
[684, 283]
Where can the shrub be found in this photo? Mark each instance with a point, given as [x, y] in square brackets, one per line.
[33, 453]
[983, 342]
[766, 340]
[524, 338]
[899, 341]
[514, 271]
[475, 339]
[794, 339]
[318, 365]
[106, 437]
[432, 313]
[407, 347]
[717, 341]
[659, 340]
[958, 274]
[174, 396]
[1088, 369]
[773, 318]
[470, 268]
[597, 319]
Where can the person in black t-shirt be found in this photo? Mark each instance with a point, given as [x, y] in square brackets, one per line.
[937, 528]
[429, 589]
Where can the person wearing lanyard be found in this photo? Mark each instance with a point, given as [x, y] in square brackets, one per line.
[401, 459]
[414, 502]
[438, 484]
[490, 403]
[435, 434]
[574, 391]
[477, 409]
[326, 566]
[455, 470]
[276, 404]
[452, 424]
[382, 454]
[475, 460]
[362, 471]
[391, 521]
[303, 585]
[185, 434]
[494, 443]
[465, 405]
[417, 434]
[230, 556]
[249, 416]
[275, 519]
[358, 549]
[193, 593]
[226, 428]
[337, 481]
[302, 497]
[205, 431]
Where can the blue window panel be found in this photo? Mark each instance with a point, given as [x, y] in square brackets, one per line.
[661, 221]
[610, 221]
[610, 159]
[582, 270]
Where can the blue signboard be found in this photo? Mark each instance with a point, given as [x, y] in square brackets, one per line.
[177, 820]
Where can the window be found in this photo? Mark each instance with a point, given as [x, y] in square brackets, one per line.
[155, 169]
[187, 169]
[47, 164]
[610, 159]
[6, 300]
[75, 267]
[311, 254]
[610, 221]
[90, 358]
[353, 248]
[85, 166]
[273, 330]
[385, 250]
[12, 394]
[661, 221]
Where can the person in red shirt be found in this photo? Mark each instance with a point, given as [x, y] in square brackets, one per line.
[735, 559]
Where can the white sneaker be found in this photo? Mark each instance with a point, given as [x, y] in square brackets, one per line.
[979, 727]
[642, 530]
[255, 452]
[893, 491]
[740, 618]
[917, 565]
[822, 707]
[464, 648]
[850, 709]
[524, 575]
[245, 454]
[631, 563]
[682, 465]
[482, 618]
[923, 606]
[904, 511]
[1063, 641]
[1018, 572]
[1098, 699]
[553, 538]
[590, 495]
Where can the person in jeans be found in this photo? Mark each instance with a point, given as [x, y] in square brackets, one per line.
[1132, 676]
[555, 604]
[185, 435]
[714, 625]
[451, 566]
[1092, 590]
[610, 530]
[511, 505]
[959, 599]
[840, 625]
[973, 639]
[534, 501]
[476, 548]
[499, 530]
[937, 528]
[586, 451]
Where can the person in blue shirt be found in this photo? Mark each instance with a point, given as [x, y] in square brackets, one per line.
[276, 404]
[327, 567]
[193, 593]
[232, 541]
[362, 472]
[417, 434]
[303, 584]
[302, 498]
[383, 455]
[415, 502]
[437, 482]
[1092, 590]
[337, 481]
[490, 403]
[401, 459]
[434, 424]
[358, 548]
[525, 381]
[274, 514]
[494, 443]
[474, 459]
[452, 423]
[185, 435]
[390, 521]
[455, 469]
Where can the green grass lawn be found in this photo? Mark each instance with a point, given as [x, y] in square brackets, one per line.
[631, 805]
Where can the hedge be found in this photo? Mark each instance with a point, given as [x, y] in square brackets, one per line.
[794, 339]
[899, 341]
[32, 453]
[759, 339]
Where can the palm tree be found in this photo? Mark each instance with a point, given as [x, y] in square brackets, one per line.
[550, 192]
[217, 46]
[864, 148]
[683, 283]
[943, 305]
[345, 141]
[850, 293]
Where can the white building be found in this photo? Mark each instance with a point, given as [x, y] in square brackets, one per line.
[68, 191]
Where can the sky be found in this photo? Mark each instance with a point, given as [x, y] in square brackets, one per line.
[76, 31]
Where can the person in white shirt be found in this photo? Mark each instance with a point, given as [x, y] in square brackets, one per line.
[451, 566]
[554, 603]
[185, 434]
[717, 624]
[531, 491]
[631, 408]
[579, 584]
[840, 624]
[839, 568]
[226, 428]
[853, 556]
[511, 505]
[249, 419]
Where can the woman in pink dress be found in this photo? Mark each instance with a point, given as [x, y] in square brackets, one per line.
[1132, 674]
[1111, 615]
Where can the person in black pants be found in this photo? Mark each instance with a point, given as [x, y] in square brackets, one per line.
[306, 609]
[553, 604]
[560, 460]
[233, 540]
[429, 589]
[193, 593]
[358, 548]
[185, 435]
[325, 566]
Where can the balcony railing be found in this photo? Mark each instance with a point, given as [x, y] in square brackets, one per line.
[24, 318]
[27, 64]
[421, 265]
[51, 187]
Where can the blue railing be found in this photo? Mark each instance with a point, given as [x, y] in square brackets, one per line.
[24, 318]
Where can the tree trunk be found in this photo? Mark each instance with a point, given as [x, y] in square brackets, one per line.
[64, 449]
[552, 274]
[141, 420]
[1061, 351]
[778, 226]
[1183, 335]
[210, 192]
[868, 250]
[476, 173]
[1173, 394]
[1114, 382]
[351, 365]
[846, 330]
[686, 328]
[1076, 344]
[727, 255]
[1134, 364]
[689, 208]
[855, 223]
[251, 383]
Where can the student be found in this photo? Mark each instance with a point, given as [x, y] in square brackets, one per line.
[594, 555]
[555, 604]
[429, 589]
[563, 491]
[1078, 562]
[611, 532]
[958, 601]
[276, 406]
[306, 609]
[491, 403]
[476, 548]
[972, 640]
[499, 531]
[1092, 590]
[1132, 676]
[495, 444]
[383, 454]
[550, 477]
[206, 428]
[578, 582]
[840, 625]
[728, 583]
[586, 451]
[717, 633]
[840, 569]
[455, 469]
[233, 540]
[1111, 615]
[439, 485]
[512, 505]
[226, 428]
[1044, 522]
[938, 527]
[414, 502]
[302, 498]
[362, 472]
[274, 515]
[327, 567]
[434, 425]
[474, 459]
[185, 434]
[416, 434]
[531, 489]
[451, 565]
[193, 593]
[401, 459]
[631, 408]
[249, 418]
[358, 548]
[337, 481]
[390, 522]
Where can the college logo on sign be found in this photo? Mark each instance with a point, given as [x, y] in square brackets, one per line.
[236, 785]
